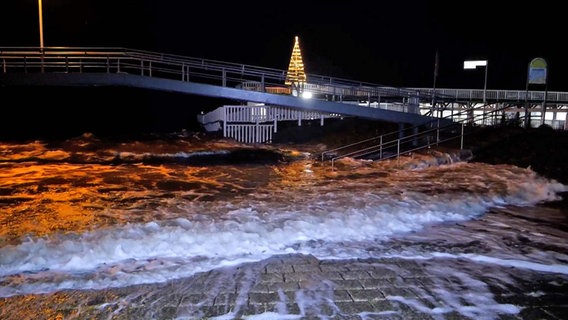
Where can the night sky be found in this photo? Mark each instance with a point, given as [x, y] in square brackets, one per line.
[391, 43]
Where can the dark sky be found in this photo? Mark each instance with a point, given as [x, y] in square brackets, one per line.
[392, 43]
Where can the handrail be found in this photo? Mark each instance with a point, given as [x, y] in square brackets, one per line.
[395, 133]
[496, 95]
[398, 142]
[153, 64]
[382, 145]
[380, 138]
[278, 75]
[47, 54]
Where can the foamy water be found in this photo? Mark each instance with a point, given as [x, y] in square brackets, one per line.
[95, 225]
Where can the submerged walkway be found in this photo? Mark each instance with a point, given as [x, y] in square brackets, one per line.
[303, 287]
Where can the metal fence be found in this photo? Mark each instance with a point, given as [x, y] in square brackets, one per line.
[152, 64]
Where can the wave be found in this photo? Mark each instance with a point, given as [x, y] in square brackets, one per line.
[355, 225]
[88, 149]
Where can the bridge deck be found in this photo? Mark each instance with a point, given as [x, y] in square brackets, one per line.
[153, 83]
[62, 66]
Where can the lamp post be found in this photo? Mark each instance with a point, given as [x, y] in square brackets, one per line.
[39, 5]
[473, 64]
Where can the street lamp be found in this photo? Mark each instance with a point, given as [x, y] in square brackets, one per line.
[40, 25]
[473, 64]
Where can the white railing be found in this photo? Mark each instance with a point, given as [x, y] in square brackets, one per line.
[259, 114]
[497, 95]
[288, 114]
[152, 64]
[246, 114]
[250, 133]
[248, 123]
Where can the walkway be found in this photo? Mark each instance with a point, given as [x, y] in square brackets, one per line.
[158, 71]
[303, 287]
[84, 66]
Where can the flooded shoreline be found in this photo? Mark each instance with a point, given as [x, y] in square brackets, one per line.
[86, 237]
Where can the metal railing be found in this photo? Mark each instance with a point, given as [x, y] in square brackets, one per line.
[152, 64]
[122, 60]
[250, 133]
[392, 145]
[519, 96]
[177, 67]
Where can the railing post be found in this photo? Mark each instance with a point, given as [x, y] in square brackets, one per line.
[262, 83]
[183, 72]
[142, 67]
[118, 65]
[224, 121]
[381, 147]
[4, 65]
[108, 64]
[150, 68]
[461, 144]
[66, 64]
[438, 131]
[224, 77]
[257, 133]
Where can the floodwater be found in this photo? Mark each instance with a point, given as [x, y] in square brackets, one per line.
[88, 215]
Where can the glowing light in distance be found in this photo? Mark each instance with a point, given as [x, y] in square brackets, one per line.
[307, 95]
[472, 64]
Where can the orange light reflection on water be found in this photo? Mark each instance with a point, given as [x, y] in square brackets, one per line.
[41, 199]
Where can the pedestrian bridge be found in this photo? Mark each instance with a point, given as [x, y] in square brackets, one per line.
[84, 66]
[158, 71]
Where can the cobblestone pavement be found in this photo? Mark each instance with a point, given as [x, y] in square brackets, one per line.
[303, 287]
[379, 289]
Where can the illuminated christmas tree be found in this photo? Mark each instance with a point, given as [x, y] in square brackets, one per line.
[296, 74]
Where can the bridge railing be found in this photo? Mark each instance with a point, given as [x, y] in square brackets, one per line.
[120, 60]
[519, 96]
[146, 63]
[152, 64]
[183, 68]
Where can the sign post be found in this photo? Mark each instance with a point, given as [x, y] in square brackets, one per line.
[436, 61]
[537, 74]
[473, 64]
